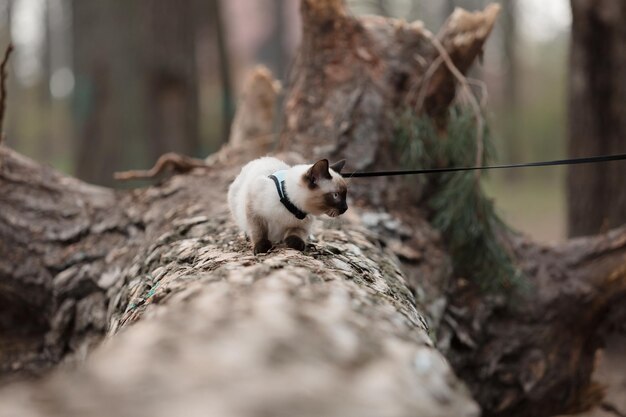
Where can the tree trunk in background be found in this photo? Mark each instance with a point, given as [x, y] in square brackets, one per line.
[381, 7]
[510, 91]
[597, 115]
[272, 51]
[597, 125]
[170, 70]
[136, 93]
[46, 58]
[108, 106]
[47, 144]
[217, 20]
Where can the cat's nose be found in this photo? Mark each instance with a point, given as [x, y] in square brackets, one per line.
[343, 208]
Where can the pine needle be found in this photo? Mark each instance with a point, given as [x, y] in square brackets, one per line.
[460, 210]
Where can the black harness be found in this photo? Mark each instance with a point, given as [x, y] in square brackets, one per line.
[280, 188]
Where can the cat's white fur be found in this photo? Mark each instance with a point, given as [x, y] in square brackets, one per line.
[253, 186]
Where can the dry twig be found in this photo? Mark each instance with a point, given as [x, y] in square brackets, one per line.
[3, 89]
[465, 89]
[421, 94]
[172, 162]
[476, 107]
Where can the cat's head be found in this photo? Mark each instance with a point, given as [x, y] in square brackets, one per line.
[326, 189]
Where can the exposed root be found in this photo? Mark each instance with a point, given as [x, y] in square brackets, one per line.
[171, 162]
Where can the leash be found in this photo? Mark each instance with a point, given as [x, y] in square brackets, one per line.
[570, 161]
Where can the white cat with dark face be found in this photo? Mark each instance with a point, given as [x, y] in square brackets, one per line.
[273, 202]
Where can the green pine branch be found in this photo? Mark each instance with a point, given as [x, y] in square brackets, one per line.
[460, 210]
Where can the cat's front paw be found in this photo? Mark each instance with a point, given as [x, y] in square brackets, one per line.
[294, 242]
[262, 246]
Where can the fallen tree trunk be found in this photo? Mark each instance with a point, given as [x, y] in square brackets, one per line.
[334, 331]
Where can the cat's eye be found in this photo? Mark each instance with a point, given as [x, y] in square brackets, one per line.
[336, 196]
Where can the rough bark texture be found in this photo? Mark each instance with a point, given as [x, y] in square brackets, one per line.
[597, 115]
[333, 331]
[61, 244]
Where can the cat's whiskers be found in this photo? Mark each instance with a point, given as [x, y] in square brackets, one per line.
[333, 213]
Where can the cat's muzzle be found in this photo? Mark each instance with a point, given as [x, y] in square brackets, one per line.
[337, 211]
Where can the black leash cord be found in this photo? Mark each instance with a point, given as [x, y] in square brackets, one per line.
[571, 161]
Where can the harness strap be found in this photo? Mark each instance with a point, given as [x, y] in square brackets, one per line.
[279, 181]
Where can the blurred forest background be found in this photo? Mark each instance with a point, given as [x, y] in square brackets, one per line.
[101, 86]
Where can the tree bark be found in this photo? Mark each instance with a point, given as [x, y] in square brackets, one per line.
[597, 115]
[333, 331]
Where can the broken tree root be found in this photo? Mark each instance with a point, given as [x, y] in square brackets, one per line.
[169, 162]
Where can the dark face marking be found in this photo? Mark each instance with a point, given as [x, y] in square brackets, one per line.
[326, 193]
[329, 198]
[317, 173]
[336, 200]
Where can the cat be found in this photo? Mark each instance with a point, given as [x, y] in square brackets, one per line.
[273, 202]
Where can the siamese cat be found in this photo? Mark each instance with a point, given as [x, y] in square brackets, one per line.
[273, 202]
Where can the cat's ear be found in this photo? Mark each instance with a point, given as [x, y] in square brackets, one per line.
[338, 166]
[317, 172]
